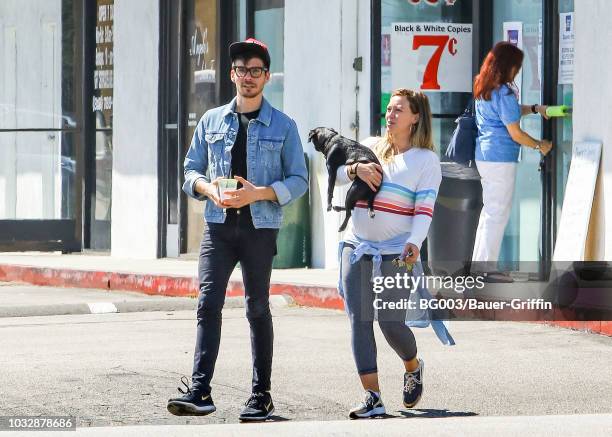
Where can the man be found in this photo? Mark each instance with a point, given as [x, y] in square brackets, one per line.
[260, 147]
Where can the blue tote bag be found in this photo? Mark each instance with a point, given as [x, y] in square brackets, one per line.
[462, 146]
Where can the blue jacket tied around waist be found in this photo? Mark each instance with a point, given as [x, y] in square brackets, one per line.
[415, 318]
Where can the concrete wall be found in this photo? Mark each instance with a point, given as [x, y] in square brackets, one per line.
[320, 90]
[136, 73]
[593, 109]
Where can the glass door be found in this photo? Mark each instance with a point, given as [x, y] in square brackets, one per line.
[563, 125]
[200, 86]
[521, 23]
[40, 125]
[173, 41]
[195, 78]
[196, 70]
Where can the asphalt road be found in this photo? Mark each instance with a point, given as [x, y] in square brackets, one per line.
[120, 369]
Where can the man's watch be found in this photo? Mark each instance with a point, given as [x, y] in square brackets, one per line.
[533, 109]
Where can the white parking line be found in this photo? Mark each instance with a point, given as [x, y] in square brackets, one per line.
[102, 308]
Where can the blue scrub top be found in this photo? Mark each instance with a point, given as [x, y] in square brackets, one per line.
[494, 142]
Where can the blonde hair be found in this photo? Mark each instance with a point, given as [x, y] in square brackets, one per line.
[421, 131]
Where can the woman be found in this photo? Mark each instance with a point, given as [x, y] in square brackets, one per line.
[500, 137]
[410, 176]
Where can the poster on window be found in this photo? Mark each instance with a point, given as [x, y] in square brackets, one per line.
[566, 48]
[513, 33]
[102, 101]
[433, 57]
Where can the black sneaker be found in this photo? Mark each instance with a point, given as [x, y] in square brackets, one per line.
[192, 403]
[372, 406]
[413, 386]
[258, 407]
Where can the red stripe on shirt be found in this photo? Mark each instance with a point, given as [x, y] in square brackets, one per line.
[379, 206]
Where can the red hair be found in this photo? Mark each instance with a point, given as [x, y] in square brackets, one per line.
[498, 68]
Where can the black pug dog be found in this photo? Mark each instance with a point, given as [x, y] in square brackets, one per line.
[339, 150]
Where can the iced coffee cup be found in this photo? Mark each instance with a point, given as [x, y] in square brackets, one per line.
[224, 185]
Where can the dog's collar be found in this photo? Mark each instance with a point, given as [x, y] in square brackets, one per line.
[329, 140]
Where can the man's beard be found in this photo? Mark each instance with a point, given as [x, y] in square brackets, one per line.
[250, 92]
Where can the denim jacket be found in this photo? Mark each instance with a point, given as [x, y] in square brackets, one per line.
[275, 158]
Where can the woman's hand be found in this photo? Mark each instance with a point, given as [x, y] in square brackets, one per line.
[370, 173]
[522, 137]
[410, 255]
[545, 147]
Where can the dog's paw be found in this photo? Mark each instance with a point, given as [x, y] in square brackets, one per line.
[371, 213]
[329, 207]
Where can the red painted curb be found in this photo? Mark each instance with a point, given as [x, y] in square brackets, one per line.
[157, 285]
[185, 286]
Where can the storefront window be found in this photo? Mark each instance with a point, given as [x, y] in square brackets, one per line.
[270, 29]
[202, 60]
[240, 7]
[102, 107]
[521, 23]
[445, 105]
[39, 77]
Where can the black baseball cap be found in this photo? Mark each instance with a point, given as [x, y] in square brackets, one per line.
[250, 46]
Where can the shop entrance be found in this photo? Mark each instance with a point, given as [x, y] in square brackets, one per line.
[195, 78]
[41, 163]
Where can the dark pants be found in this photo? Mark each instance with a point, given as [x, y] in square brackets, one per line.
[224, 245]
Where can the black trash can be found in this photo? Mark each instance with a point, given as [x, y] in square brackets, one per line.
[455, 220]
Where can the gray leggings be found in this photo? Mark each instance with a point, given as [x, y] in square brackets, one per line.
[359, 303]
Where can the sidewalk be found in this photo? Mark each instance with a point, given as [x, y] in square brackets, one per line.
[18, 300]
[158, 277]
[178, 278]
[593, 425]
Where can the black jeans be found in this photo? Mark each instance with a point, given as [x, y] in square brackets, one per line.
[224, 245]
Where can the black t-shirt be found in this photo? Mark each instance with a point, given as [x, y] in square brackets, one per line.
[239, 155]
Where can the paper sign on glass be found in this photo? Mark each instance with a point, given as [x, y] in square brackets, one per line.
[431, 56]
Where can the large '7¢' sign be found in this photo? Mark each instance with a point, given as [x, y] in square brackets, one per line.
[431, 56]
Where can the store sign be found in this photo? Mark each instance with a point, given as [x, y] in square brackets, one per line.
[102, 100]
[431, 56]
[198, 47]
